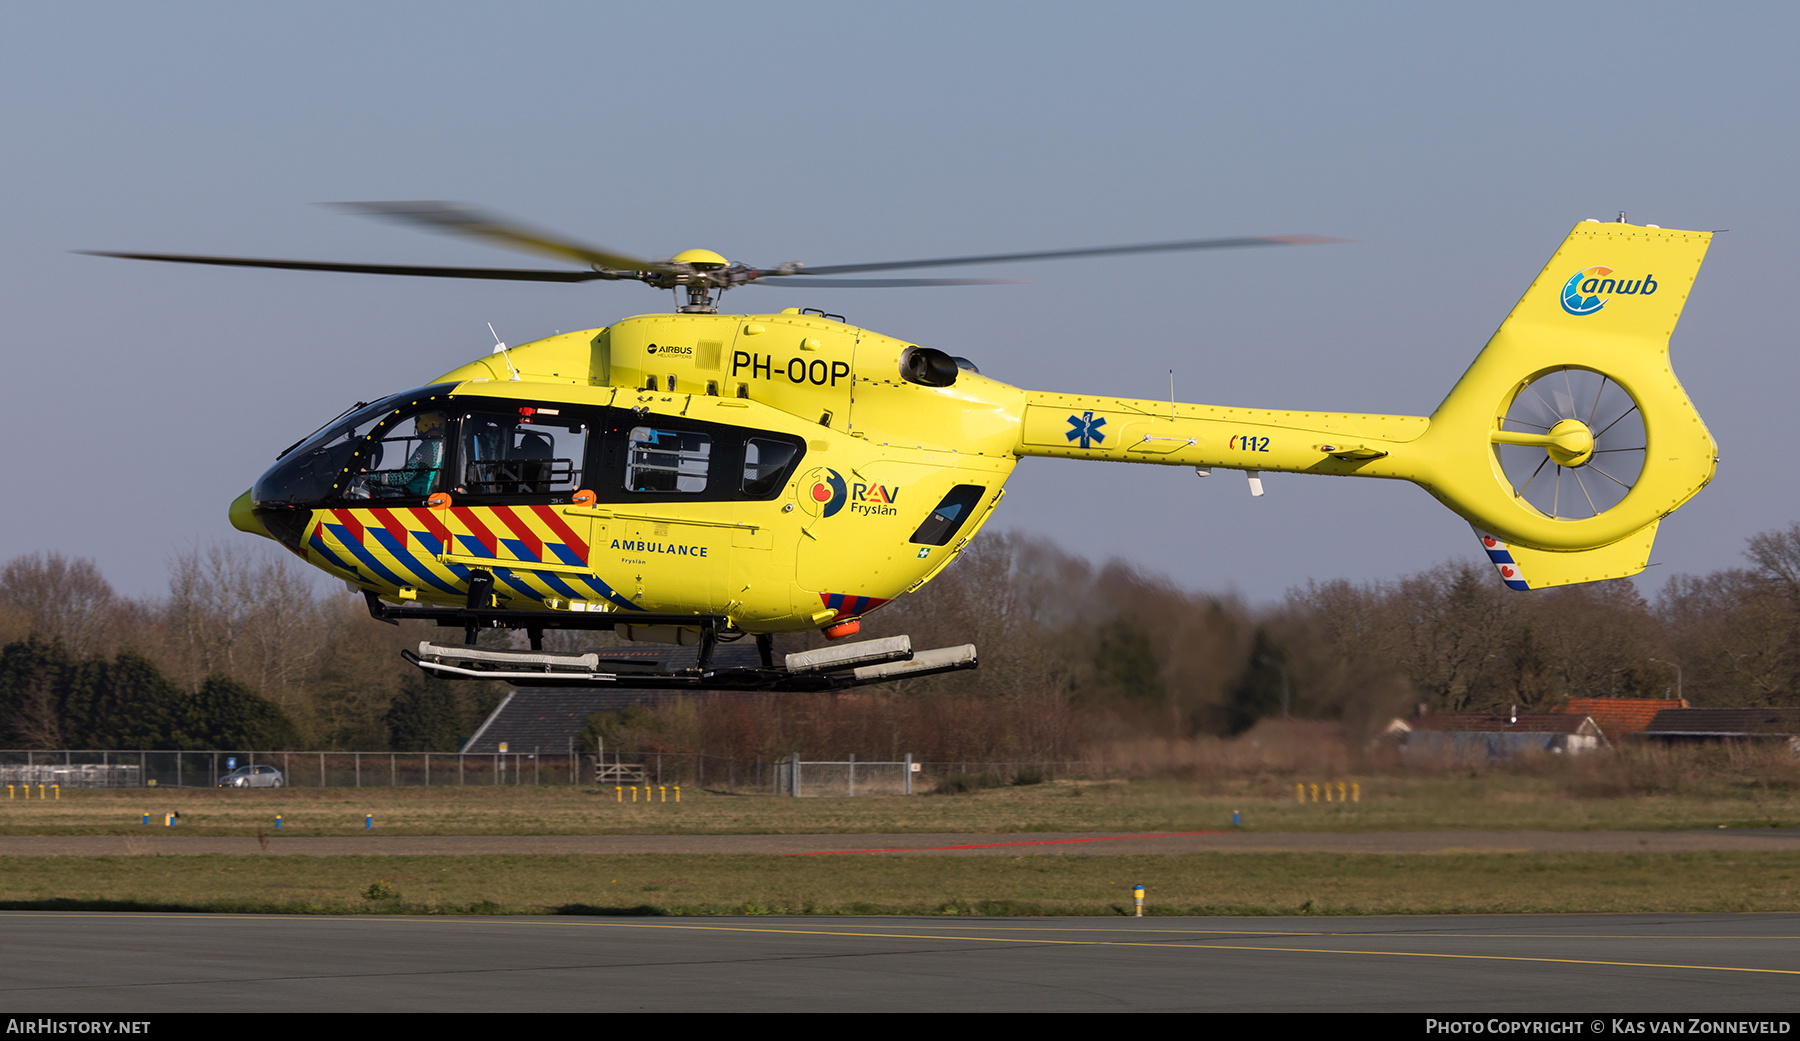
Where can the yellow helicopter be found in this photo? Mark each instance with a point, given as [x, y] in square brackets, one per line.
[695, 477]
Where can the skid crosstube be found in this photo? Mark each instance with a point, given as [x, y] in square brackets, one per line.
[473, 619]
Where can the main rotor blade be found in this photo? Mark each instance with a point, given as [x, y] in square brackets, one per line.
[877, 283]
[458, 219]
[1102, 251]
[506, 274]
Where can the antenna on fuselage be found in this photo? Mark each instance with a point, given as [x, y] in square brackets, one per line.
[500, 349]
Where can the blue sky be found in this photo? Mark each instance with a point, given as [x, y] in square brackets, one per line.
[1455, 144]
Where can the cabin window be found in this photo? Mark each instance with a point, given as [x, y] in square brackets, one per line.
[647, 458]
[766, 466]
[662, 460]
[949, 516]
[528, 450]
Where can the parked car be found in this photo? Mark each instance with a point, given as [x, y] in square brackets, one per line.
[252, 777]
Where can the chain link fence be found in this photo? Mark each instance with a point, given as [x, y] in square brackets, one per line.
[791, 775]
[72, 768]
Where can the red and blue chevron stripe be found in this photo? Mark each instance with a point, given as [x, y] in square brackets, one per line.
[406, 547]
[848, 606]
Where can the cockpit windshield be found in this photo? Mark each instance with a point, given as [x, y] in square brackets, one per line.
[314, 470]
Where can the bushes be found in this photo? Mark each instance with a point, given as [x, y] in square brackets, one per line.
[49, 698]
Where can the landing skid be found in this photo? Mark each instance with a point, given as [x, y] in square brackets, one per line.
[830, 668]
[472, 619]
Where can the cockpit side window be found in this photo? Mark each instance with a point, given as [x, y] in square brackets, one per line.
[403, 459]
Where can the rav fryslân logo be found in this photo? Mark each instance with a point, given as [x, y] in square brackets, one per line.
[1589, 289]
[826, 493]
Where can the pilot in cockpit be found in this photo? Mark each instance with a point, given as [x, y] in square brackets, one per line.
[416, 478]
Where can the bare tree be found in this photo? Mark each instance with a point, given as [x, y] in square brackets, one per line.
[1452, 625]
[1776, 555]
[1344, 654]
[246, 614]
[1734, 635]
[63, 600]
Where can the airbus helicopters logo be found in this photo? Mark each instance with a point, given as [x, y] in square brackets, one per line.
[1589, 289]
[824, 493]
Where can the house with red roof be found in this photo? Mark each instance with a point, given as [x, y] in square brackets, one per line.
[1496, 735]
[1618, 717]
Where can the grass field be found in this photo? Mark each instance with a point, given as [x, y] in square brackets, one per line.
[1186, 884]
[1486, 801]
[1649, 791]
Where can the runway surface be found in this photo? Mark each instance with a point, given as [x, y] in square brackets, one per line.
[1583, 964]
[1742, 839]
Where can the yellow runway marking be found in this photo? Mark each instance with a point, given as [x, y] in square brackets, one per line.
[1036, 939]
[1206, 947]
[1397, 933]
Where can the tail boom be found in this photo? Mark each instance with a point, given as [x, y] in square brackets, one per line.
[1598, 318]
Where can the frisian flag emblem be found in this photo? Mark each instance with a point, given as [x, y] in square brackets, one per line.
[1503, 561]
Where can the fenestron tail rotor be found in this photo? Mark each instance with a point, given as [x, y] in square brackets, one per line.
[1571, 442]
[700, 272]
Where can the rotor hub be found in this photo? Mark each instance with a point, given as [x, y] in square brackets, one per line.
[700, 258]
[1571, 443]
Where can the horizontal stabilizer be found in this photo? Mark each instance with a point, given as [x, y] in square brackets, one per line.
[1350, 451]
[1524, 568]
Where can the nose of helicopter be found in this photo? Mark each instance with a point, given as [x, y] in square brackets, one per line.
[244, 518]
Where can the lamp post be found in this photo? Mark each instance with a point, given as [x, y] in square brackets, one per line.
[1677, 668]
